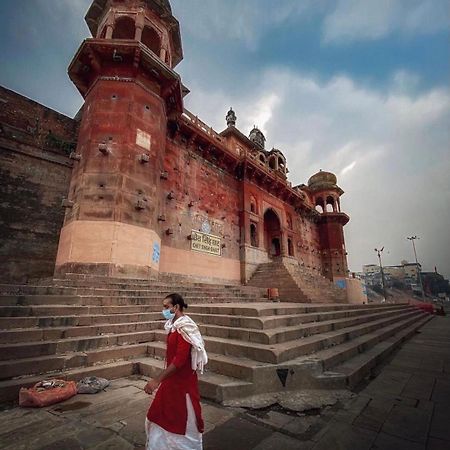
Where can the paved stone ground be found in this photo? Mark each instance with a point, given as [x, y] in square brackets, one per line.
[406, 406]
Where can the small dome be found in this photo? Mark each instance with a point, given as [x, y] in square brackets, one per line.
[277, 151]
[322, 180]
[257, 137]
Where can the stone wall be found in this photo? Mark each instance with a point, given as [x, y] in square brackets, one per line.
[35, 169]
[202, 194]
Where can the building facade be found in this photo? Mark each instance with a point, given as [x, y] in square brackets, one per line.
[153, 190]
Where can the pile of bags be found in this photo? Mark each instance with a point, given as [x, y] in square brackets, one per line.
[49, 392]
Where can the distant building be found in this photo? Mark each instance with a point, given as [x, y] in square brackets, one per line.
[404, 275]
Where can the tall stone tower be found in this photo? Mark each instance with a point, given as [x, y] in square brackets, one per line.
[326, 195]
[125, 74]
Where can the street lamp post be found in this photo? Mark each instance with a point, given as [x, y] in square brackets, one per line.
[379, 251]
[412, 239]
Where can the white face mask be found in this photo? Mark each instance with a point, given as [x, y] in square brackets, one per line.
[167, 314]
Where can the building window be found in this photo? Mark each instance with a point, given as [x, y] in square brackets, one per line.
[330, 206]
[320, 205]
[253, 235]
[273, 162]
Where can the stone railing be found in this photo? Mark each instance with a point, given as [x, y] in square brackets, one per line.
[195, 121]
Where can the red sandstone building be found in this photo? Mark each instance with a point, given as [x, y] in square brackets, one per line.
[137, 186]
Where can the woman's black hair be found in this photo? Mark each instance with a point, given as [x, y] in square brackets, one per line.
[177, 299]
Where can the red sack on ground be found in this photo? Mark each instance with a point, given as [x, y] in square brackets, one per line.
[46, 393]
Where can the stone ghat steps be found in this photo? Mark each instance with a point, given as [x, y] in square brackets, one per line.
[54, 320]
[352, 371]
[46, 329]
[264, 309]
[350, 361]
[13, 290]
[212, 386]
[9, 389]
[292, 332]
[32, 335]
[14, 317]
[120, 283]
[39, 311]
[283, 320]
[20, 350]
[314, 285]
[227, 377]
[60, 286]
[296, 284]
[48, 364]
[104, 300]
[238, 367]
[283, 351]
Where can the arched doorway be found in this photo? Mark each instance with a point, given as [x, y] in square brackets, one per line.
[272, 233]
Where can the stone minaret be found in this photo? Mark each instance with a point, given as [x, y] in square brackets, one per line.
[326, 196]
[125, 74]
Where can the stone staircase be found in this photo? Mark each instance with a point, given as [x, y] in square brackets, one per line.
[251, 346]
[296, 283]
[85, 325]
[113, 328]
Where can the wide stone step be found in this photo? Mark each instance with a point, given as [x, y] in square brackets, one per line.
[275, 309]
[55, 333]
[23, 300]
[9, 389]
[9, 323]
[290, 333]
[270, 322]
[78, 344]
[212, 386]
[356, 366]
[124, 290]
[306, 371]
[332, 356]
[280, 352]
[66, 310]
[52, 363]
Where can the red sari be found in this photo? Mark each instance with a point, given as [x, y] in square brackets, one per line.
[168, 409]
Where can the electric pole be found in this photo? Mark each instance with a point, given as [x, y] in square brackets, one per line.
[412, 239]
[381, 270]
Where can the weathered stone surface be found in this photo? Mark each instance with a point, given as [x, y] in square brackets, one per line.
[341, 436]
[279, 441]
[387, 442]
[236, 433]
[300, 400]
[408, 423]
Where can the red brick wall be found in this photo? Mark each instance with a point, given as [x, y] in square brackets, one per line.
[212, 193]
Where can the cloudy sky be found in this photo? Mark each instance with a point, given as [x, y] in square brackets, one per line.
[356, 87]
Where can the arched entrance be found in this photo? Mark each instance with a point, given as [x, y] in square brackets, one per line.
[272, 233]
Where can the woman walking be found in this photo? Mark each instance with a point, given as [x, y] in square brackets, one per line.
[174, 419]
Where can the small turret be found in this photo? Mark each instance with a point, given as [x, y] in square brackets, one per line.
[231, 118]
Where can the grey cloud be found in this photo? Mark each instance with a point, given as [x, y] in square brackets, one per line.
[355, 20]
[237, 20]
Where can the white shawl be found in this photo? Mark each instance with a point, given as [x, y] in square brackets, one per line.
[190, 333]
